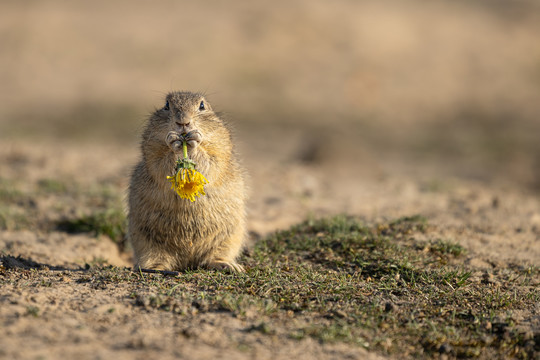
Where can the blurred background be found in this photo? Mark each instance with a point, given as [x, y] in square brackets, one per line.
[442, 88]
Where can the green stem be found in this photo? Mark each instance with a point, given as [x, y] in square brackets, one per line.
[184, 147]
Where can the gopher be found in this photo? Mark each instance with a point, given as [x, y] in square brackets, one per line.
[168, 232]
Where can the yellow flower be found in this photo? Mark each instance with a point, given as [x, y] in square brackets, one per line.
[188, 183]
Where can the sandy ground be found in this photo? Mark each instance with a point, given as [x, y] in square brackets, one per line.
[496, 222]
[377, 110]
[498, 226]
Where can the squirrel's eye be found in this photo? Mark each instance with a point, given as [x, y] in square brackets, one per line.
[166, 107]
[201, 106]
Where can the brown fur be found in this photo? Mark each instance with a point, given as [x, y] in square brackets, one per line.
[171, 233]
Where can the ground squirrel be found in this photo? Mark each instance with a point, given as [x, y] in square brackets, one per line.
[171, 233]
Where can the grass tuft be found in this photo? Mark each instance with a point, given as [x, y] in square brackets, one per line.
[51, 186]
[111, 222]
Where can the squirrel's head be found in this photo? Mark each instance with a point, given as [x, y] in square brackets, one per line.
[185, 111]
[182, 112]
[185, 114]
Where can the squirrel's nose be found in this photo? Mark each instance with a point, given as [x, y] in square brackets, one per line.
[182, 120]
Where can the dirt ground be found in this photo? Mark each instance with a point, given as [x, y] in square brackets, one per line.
[498, 226]
[429, 135]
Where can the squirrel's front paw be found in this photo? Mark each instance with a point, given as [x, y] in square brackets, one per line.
[174, 141]
[193, 138]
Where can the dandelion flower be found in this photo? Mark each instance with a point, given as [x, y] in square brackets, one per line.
[187, 182]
